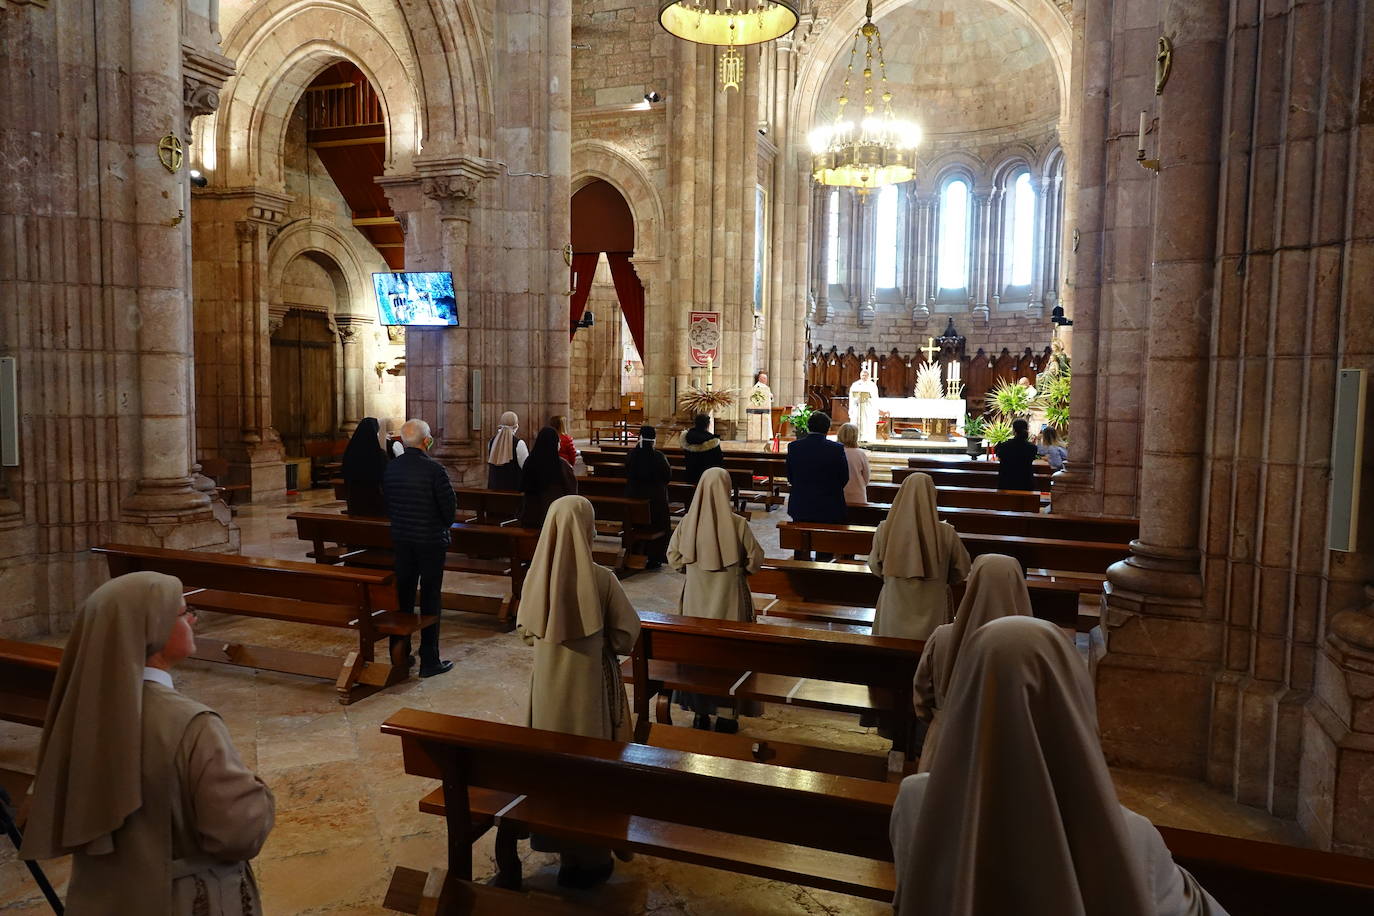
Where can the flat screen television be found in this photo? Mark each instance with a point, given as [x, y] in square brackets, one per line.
[416, 298]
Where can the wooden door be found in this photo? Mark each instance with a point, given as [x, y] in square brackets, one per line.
[303, 381]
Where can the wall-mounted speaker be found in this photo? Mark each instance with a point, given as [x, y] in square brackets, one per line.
[1347, 454]
[9, 413]
[475, 414]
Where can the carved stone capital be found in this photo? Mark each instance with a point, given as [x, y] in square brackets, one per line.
[352, 328]
[203, 75]
[453, 193]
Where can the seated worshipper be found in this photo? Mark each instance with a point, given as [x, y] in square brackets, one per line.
[364, 461]
[1018, 813]
[1014, 459]
[577, 617]
[506, 455]
[140, 784]
[1049, 447]
[544, 478]
[701, 448]
[818, 472]
[919, 558]
[856, 491]
[718, 552]
[996, 588]
[646, 477]
[567, 449]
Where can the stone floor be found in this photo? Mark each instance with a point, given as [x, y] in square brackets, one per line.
[347, 814]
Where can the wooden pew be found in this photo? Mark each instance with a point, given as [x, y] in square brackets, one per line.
[742, 478]
[1032, 553]
[680, 492]
[494, 550]
[1019, 524]
[769, 821]
[938, 462]
[960, 497]
[770, 664]
[846, 593]
[616, 516]
[330, 596]
[984, 478]
[27, 673]
[745, 817]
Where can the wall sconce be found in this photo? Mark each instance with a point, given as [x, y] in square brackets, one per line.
[380, 367]
[586, 321]
[1151, 164]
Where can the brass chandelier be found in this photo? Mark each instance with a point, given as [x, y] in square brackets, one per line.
[722, 23]
[879, 150]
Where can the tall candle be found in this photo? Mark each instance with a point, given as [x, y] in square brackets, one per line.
[1140, 142]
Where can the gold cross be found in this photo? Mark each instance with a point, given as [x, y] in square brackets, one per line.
[930, 350]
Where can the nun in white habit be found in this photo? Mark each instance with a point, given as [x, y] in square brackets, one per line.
[138, 782]
[996, 588]
[1018, 813]
[919, 557]
[718, 552]
[576, 615]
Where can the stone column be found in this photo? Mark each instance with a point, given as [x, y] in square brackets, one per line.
[922, 289]
[821, 207]
[861, 291]
[1154, 684]
[353, 331]
[1035, 307]
[978, 274]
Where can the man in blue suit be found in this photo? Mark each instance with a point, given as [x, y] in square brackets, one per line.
[817, 472]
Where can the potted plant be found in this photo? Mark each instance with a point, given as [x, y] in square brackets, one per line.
[797, 417]
[994, 434]
[973, 431]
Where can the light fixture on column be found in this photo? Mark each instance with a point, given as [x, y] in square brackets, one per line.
[725, 24]
[879, 150]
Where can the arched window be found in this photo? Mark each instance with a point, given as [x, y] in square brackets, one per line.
[952, 258]
[1019, 238]
[832, 231]
[885, 239]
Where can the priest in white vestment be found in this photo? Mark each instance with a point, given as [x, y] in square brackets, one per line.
[863, 407]
[919, 558]
[759, 409]
[996, 588]
[1018, 813]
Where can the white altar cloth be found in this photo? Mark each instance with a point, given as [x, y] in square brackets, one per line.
[923, 408]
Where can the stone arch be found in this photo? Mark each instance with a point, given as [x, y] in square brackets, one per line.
[311, 238]
[599, 159]
[278, 53]
[956, 162]
[1011, 160]
[1042, 17]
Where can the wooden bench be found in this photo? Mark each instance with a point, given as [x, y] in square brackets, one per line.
[615, 423]
[962, 497]
[326, 458]
[27, 673]
[842, 672]
[217, 469]
[492, 550]
[1034, 554]
[616, 516]
[330, 596]
[846, 593]
[984, 478]
[744, 483]
[750, 818]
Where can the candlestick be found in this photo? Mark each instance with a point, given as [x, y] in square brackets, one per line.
[1140, 141]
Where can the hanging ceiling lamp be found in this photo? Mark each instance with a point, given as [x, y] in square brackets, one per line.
[722, 23]
[879, 150]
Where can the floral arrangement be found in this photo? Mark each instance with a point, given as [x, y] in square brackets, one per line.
[797, 417]
[994, 434]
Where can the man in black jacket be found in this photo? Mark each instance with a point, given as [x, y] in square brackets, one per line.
[817, 472]
[420, 501]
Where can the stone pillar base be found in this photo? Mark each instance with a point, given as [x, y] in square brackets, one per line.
[1154, 681]
[1336, 773]
[199, 531]
[1075, 492]
[266, 479]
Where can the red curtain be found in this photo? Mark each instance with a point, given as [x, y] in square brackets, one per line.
[583, 272]
[630, 292]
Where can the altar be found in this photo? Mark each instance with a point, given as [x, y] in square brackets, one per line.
[900, 415]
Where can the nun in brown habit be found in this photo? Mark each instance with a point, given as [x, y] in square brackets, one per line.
[919, 558]
[996, 588]
[576, 615]
[718, 552]
[1018, 813]
[139, 784]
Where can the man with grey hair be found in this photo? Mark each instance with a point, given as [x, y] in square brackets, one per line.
[421, 503]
